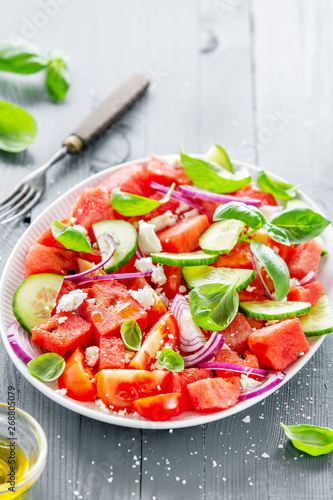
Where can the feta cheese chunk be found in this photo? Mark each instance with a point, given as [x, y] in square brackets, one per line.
[145, 296]
[92, 355]
[294, 282]
[191, 213]
[182, 207]
[165, 220]
[163, 298]
[158, 277]
[82, 229]
[144, 265]
[148, 241]
[248, 383]
[71, 301]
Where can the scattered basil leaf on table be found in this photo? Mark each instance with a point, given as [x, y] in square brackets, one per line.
[275, 267]
[313, 440]
[171, 360]
[248, 214]
[70, 237]
[219, 156]
[57, 79]
[21, 57]
[47, 367]
[131, 334]
[18, 128]
[209, 176]
[214, 306]
[132, 205]
[278, 189]
[300, 224]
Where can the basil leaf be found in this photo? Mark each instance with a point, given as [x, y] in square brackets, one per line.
[21, 57]
[171, 360]
[250, 215]
[275, 267]
[47, 367]
[219, 156]
[131, 334]
[70, 237]
[214, 306]
[300, 224]
[209, 176]
[18, 128]
[132, 205]
[276, 233]
[57, 79]
[278, 189]
[313, 440]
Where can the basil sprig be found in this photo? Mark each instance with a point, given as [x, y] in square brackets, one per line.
[275, 267]
[300, 224]
[70, 237]
[18, 128]
[214, 306]
[278, 189]
[131, 334]
[171, 360]
[210, 176]
[47, 367]
[132, 205]
[24, 58]
[313, 440]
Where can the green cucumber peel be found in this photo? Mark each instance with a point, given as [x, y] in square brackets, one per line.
[219, 156]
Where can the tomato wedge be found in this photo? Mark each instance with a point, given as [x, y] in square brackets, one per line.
[161, 407]
[77, 378]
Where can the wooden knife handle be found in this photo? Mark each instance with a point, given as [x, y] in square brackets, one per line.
[107, 112]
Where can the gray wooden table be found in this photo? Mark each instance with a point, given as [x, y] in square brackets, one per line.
[256, 77]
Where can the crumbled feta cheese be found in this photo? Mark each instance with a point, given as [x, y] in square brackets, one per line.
[226, 347]
[248, 383]
[148, 241]
[250, 288]
[294, 282]
[191, 213]
[62, 319]
[182, 289]
[182, 207]
[145, 296]
[82, 229]
[144, 265]
[165, 220]
[71, 301]
[73, 220]
[102, 407]
[92, 355]
[163, 298]
[91, 301]
[128, 355]
[61, 392]
[158, 277]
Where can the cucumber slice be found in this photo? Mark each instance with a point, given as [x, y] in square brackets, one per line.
[295, 203]
[219, 156]
[221, 237]
[202, 275]
[183, 259]
[319, 320]
[272, 309]
[322, 244]
[125, 237]
[34, 299]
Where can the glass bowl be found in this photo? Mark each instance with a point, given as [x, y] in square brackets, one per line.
[23, 451]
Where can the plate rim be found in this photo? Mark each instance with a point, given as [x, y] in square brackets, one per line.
[87, 409]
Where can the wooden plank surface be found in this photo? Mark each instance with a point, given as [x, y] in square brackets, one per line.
[254, 76]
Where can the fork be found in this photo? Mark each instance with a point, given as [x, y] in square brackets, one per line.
[31, 188]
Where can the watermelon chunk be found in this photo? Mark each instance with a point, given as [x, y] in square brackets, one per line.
[252, 292]
[248, 191]
[43, 259]
[49, 240]
[111, 352]
[159, 170]
[239, 257]
[63, 333]
[157, 310]
[132, 179]
[232, 357]
[237, 333]
[213, 394]
[179, 381]
[307, 293]
[183, 236]
[306, 258]
[171, 205]
[278, 345]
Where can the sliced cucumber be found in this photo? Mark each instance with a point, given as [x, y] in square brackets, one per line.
[219, 156]
[202, 275]
[125, 237]
[319, 320]
[34, 299]
[221, 237]
[183, 259]
[272, 309]
[295, 203]
[321, 243]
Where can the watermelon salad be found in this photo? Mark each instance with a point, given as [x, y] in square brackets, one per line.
[173, 287]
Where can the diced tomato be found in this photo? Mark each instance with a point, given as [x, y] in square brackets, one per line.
[111, 352]
[63, 333]
[161, 407]
[183, 236]
[307, 293]
[239, 257]
[237, 333]
[213, 394]
[132, 179]
[265, 198]
[231, 357]
[179, 381]
[119, 388]
[43, 259]
[173, 275]
[164, 333]
[159, 170]
[77, 378]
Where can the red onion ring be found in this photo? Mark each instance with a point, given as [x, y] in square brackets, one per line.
[208, 351]
[191, 336]
[214, 365]
[204, 194]
[115, 276]
[175, 194]
[21, 343]
[273, 380]
[108, 238]
[307, 278]
[260, 278]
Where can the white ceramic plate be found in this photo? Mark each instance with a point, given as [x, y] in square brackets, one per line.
[13, 276]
